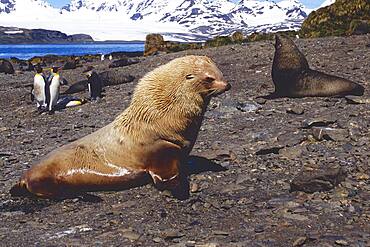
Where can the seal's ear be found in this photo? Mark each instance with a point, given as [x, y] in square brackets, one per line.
[189, 76]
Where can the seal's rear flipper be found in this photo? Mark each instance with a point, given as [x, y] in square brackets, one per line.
[270, 96]
[20, 190]
[182, 190]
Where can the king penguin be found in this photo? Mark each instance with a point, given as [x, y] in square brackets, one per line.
[39, 89]
[94, 84]
[53, 89]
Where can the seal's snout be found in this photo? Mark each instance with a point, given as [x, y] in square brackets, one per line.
[221, 85]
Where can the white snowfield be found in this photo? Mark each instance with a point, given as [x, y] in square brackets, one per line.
[181, 20]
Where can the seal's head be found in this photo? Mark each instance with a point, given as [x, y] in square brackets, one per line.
[205, 77]
[184, 77]
[283, 42]
[88, 71]
[287, 55]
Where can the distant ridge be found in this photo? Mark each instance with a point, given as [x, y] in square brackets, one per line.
[14, 35]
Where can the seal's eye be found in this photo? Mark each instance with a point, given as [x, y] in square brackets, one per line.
[189, 77]
[209, 80]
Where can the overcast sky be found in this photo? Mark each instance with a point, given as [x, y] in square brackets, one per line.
[308, 3]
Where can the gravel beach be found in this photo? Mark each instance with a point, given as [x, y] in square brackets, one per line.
[282, 172]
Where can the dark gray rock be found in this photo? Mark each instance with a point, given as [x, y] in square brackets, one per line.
[129, 234]
[170, 234]
[292, 152]
[260, 100]
[247, 106]
[311, 180]
[299, 241]
[297, 109]
[290, 138]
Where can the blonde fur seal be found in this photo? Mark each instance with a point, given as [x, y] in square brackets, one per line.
[152, 136]
[293, 77]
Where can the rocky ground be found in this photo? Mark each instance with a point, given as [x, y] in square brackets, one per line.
[256, 167]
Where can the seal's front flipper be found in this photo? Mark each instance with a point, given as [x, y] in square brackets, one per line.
[167, 172]
[164, 165]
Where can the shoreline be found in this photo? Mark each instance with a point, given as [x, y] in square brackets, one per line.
[55, 56]
[74, 43]
[27, 52]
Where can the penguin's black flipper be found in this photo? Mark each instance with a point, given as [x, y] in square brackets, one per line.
[47, 93]
[32, 95]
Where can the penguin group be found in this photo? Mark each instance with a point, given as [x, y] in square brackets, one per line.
[46, 90]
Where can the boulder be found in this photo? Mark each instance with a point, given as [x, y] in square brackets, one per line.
[312, 180]
[6, 67]
[153, 44]
[237, 37]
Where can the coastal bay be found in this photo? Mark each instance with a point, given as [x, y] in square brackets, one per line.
[27, 51]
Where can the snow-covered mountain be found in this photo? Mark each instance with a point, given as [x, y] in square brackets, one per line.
[176, 19]
[22, 6]
[25, 9]
[6, 6]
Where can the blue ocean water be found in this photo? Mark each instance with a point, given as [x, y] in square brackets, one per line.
[31, 50]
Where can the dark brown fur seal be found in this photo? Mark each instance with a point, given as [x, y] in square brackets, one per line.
[152, 136]
[123, 62]
[293, 77]
[109, 78]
